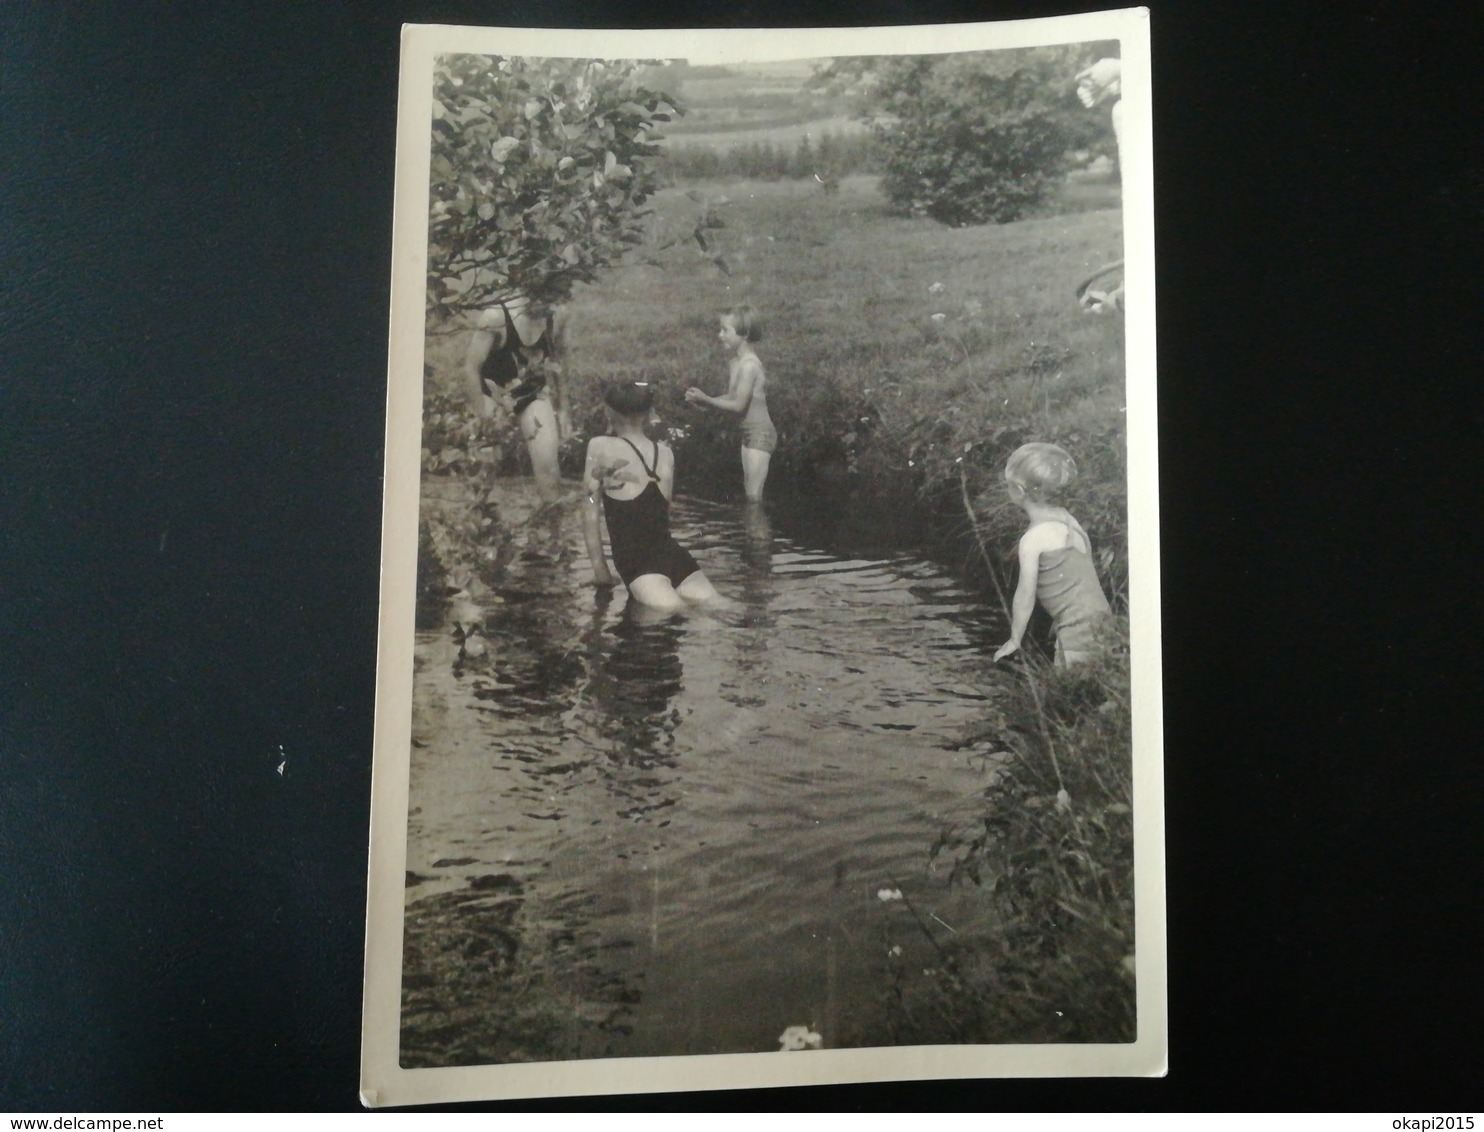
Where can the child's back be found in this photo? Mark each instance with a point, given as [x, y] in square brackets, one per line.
[1067, 588]
[629, 479]
[1056, 568]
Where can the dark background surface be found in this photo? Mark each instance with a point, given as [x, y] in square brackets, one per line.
[195, 218]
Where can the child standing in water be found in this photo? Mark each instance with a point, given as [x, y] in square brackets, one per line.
[747, 395]
[634, 477]
[509, 344]
[1056, 566]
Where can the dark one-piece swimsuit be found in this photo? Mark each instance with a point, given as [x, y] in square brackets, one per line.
[639, 531]
[507, 367]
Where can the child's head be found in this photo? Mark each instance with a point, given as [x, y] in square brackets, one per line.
[1041, 471]
[629, 398]
[745, 321]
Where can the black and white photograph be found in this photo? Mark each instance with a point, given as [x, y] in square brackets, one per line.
[499, 617]
[769, 645]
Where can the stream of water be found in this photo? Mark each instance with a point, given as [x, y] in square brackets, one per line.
[631, 837]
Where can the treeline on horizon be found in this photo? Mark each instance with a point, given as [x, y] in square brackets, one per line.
[831, 158]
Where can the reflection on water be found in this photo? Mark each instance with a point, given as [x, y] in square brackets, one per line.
[635, 835]
[634, 675]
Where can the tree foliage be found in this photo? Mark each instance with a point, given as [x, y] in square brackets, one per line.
[973, 137]
[540, 171]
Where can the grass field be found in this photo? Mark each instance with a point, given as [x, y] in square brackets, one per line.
[899, 352]
[733, 97]
[758, 103]
[784, 134]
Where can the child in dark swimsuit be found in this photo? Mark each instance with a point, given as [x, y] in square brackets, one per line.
[634, 477]
[1056, 567]
[504, 365]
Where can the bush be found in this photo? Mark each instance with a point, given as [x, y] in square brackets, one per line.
[975, 137]
[540, 170]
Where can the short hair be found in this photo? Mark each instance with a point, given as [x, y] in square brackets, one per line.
[629, 398]
[746, 321]
[1043, 470]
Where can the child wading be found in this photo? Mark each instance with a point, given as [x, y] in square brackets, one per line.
[508, 364]
[1056, 566]
[746, 395]
[634, 477]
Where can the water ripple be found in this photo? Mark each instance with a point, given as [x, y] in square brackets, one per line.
[657, 818]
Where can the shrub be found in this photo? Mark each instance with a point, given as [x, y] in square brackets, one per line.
[974, 137]
[540, 170]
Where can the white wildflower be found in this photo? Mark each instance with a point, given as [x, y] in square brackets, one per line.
[797, 1038]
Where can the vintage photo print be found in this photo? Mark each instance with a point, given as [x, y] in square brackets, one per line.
[768, 678]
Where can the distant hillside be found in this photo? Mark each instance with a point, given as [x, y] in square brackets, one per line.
[751, 104]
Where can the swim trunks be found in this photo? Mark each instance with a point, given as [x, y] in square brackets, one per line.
[759, 435]
[639, 531]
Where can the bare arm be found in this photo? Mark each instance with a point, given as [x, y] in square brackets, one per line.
[666, 472]
[738, 397]
[558, 394]
[556, 337]
[592, 516]
[1023, 604]
[481, 342]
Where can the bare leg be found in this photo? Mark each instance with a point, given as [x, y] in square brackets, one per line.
[754, 472]
[655, 591]
[757, 550]
[538, 425]
[700, 594]
[640, 614]
[698, 588]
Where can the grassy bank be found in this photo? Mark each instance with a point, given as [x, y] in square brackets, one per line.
[1053, 857]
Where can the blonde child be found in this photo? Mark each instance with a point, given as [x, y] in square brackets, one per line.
[746, 395]
[629, 480]
[1056, 567]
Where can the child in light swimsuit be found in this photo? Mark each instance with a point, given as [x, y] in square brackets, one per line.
[746, 394]
[634, 478]
[1056, 567]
